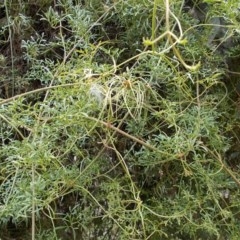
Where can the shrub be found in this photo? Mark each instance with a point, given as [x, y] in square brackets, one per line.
[119, 120]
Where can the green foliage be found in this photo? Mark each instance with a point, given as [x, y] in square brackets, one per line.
[119, 120]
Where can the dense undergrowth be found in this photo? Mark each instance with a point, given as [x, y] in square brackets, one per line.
[119, 119]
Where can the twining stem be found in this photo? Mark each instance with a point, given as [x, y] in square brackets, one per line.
[169, 34]
[154, 24]
[175, 50]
